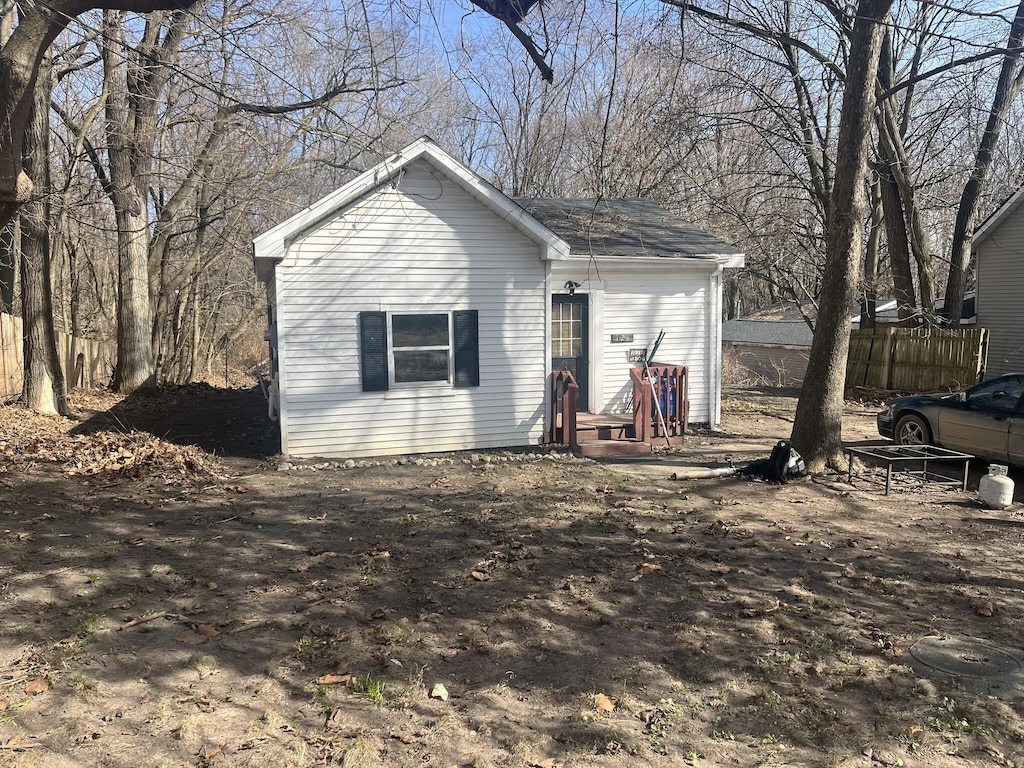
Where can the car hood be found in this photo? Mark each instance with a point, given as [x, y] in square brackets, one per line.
[917, 400]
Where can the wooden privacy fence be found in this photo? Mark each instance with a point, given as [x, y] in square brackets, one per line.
[916, 359]
[87, 362]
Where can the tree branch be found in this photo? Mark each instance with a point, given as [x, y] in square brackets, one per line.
[762, 33]
[510, 13]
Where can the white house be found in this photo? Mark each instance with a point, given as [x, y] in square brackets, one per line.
[419, 309]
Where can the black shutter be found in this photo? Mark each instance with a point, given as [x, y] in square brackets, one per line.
[467, 348]
[373, 350]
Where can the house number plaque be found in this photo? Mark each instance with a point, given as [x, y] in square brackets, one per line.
[622, 338]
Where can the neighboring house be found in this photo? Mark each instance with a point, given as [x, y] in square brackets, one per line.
[999, 287]
[419, 309]
[770, 345]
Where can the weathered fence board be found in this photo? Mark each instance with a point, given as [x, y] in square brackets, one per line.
[87, 362]
[916, 359]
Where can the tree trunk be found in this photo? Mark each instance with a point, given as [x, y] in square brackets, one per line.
[1007, 87]
[898, 241]
[43, 385]
[902, 195]
[193, 360]
[869, 298]
[8, 267]
[135, 368]
[818, 426]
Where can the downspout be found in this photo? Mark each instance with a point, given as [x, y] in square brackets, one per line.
[715, 356]
[548, 428]
[280, 382]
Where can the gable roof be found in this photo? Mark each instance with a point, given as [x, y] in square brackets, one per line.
[628, 228]
[270, 247]
[997, 217]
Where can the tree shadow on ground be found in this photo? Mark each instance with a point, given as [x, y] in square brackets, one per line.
[760, 611]
[230, 423]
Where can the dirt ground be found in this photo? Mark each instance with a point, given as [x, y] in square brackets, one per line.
[170, 605]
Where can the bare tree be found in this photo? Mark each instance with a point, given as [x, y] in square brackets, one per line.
[817, 428]
[37, 26]
[43, 380]
[1009, 84]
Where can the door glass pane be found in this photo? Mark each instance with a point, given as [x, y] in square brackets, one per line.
[567, 330]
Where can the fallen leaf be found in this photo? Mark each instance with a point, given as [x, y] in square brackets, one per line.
[206, 754]
[35, 687]
[648, 568]
[481, 575]
[4, 704]
[207, 630]
[545, 763]
[189, 637]
[205, 705]
[603, 703]
[335, 678]
[986, 608]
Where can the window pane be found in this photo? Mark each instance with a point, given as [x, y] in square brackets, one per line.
[997, 395]
[419, 330]
[421, 366]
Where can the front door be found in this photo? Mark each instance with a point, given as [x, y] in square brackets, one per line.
[569, 342]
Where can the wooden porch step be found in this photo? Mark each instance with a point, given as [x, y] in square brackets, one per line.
[599, 448]
[587, 432]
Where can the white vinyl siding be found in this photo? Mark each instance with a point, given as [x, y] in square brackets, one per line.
[642, 300]
[423, 246]
[999, 290]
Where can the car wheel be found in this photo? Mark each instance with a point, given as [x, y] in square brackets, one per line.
[912, 430]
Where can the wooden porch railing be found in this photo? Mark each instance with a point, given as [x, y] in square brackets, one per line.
[565, 394]
[670, 385]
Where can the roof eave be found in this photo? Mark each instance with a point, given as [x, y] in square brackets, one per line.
[264, 267]
[725, 260]
[989, 225]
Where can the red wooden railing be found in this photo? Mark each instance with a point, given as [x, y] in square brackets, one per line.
[565, 394]
[668, 385]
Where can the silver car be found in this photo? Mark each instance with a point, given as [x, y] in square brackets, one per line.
[986, 420]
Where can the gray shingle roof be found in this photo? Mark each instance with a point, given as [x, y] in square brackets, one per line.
[624, 227]
[775, 333]
[777, 325]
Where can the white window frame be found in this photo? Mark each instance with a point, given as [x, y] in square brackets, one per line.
[449, 382]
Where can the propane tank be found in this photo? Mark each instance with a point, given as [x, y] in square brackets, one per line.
[995, 489]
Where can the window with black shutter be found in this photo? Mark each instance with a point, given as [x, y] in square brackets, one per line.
[431, 348]
[467, 348]
[373, 350]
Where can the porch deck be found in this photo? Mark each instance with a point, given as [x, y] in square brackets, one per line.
[660, 391]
